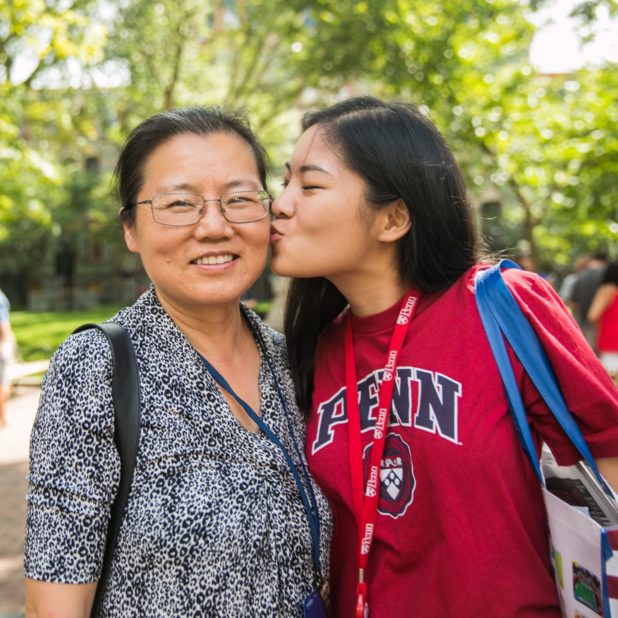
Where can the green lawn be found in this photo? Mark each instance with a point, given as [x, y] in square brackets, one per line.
[39, 334]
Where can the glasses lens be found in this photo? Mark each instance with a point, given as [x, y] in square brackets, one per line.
[177, 208]
[245, 206]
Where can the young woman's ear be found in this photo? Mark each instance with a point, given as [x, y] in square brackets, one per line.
[394, 221]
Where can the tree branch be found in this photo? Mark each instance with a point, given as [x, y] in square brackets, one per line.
[239, 89]
[168, 92]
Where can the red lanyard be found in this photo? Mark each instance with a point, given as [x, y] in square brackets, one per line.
[365, 502]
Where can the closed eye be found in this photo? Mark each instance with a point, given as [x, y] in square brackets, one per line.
[175, 205]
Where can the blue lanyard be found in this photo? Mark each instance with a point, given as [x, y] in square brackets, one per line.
[309, 502]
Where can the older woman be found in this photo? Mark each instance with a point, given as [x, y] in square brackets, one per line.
[215, 524]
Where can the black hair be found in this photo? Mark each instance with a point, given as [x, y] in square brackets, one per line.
[158, 129]
[610, 274]
[399, 154]
[599, 255]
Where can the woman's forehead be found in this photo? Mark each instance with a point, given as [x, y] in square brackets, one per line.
[315, 152]
[186, 158]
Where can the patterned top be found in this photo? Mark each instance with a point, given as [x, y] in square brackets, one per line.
[214, 524]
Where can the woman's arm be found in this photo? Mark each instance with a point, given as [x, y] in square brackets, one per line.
[44, 599]
[608, 467]
[600, 302]
[73, 478]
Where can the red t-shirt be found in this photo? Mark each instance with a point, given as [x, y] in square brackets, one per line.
[607, 340]
[461, 527]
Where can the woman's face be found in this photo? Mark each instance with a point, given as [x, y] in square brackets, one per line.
[323, 225]
[213, 261]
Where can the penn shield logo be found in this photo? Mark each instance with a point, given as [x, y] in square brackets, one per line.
[397, 481]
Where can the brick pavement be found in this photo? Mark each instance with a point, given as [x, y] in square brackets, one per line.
[14, 440]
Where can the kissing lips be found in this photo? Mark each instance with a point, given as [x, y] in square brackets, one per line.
[275, 234]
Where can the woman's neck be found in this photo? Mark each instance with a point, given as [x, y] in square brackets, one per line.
[219, 333]
[368, 295]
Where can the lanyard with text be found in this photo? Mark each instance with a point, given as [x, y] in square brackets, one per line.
[365, 501]
[306, 492]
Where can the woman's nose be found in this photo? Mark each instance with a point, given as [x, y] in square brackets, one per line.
[212, 223]
[282, 205]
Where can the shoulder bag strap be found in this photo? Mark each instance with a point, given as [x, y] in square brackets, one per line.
[502, 318]
[126, 398]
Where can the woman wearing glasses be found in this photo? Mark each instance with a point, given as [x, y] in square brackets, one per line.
[222, 519]
[437, 511]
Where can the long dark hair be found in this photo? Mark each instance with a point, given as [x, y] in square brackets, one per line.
[399, 153]
[158, 129]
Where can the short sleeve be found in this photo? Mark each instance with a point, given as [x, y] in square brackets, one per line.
[590, 394]
[74, 465]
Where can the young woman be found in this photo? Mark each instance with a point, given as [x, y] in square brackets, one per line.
[448, 520]
[221, 519]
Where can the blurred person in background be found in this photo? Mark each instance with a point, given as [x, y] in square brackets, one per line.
[583, 291]
[6, 347]
[566, 287]
[603, 313]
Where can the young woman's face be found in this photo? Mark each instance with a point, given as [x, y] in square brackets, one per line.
[212, 261]
[323, 224]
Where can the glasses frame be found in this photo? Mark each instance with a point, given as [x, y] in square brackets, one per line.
[264, 195]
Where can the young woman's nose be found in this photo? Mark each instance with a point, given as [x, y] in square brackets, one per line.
[283, 204]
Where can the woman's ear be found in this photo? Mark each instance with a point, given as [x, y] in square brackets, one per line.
[130, 239]
[395, 221]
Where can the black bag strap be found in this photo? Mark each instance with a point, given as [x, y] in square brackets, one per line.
[126, 398]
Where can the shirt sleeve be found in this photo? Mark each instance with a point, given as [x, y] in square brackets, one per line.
[590, 394]
[74, 465]
[5, 308]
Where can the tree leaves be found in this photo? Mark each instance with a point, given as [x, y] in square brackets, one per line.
[76, 77]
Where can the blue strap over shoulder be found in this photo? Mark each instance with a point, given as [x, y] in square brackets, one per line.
[503, 319]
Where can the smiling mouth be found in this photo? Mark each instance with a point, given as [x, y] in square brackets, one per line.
[212, 260]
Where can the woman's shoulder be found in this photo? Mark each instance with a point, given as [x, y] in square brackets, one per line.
[534, 294]
[82, 365]
[543, 307]
[523, 283]
[88, 352]
[88, 348]
[608, 289]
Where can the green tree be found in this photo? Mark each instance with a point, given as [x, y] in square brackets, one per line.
[42, 45]
[76, 77]
[466, 64]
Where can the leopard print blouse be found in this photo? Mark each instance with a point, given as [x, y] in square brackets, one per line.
[214, 524]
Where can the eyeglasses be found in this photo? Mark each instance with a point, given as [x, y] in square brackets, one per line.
[180, 209]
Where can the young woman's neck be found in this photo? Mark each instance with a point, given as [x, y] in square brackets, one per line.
[368, 295]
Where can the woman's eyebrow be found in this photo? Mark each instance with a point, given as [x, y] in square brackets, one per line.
[240, 182]
[308, 167]
[312, 168]
[232, 184]
[179, 186]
